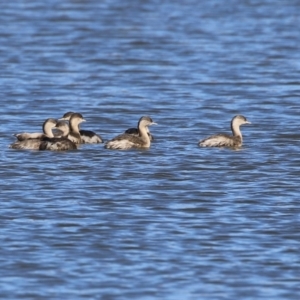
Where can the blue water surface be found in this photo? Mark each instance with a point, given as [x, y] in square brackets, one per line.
[175, 221]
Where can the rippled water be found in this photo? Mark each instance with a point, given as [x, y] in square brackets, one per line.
[175, 221]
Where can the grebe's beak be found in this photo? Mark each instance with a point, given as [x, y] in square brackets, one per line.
[83, 120]
[153, 123]
[247, 122]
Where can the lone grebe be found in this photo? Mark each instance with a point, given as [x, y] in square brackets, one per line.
[225, 140]
[35, 140]
[59, 144]
[127, 141]
[87, 136]
[74, 122]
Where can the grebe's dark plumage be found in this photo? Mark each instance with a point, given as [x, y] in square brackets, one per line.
[127, 141]
[59, 144]
[87, 136]
[225, 140]
[33, 141]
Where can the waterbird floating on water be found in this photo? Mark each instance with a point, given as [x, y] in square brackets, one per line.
[127, 141]
[226, 140]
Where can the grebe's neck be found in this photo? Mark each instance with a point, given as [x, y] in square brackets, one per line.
[74, 134]
[48, 130]
[235, 128]
[143, 133]
[65, 131]
[74, 126]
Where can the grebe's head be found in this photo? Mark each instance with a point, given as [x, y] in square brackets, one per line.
[146, 121]
[77, 118]
[49, 123]
[63, 126]
[239, 120]
[67, 116]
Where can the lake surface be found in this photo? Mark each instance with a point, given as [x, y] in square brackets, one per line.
[175, 221]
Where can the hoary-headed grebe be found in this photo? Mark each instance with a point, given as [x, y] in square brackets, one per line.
[59, 144]
[127, 141]
[87, 136]
[225, 140]
[33, 142]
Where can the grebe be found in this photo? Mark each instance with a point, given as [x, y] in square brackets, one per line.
[59, 144]
[127, 141]
[225, 140]
[34, 143]
[74, 122]
[87, 136]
